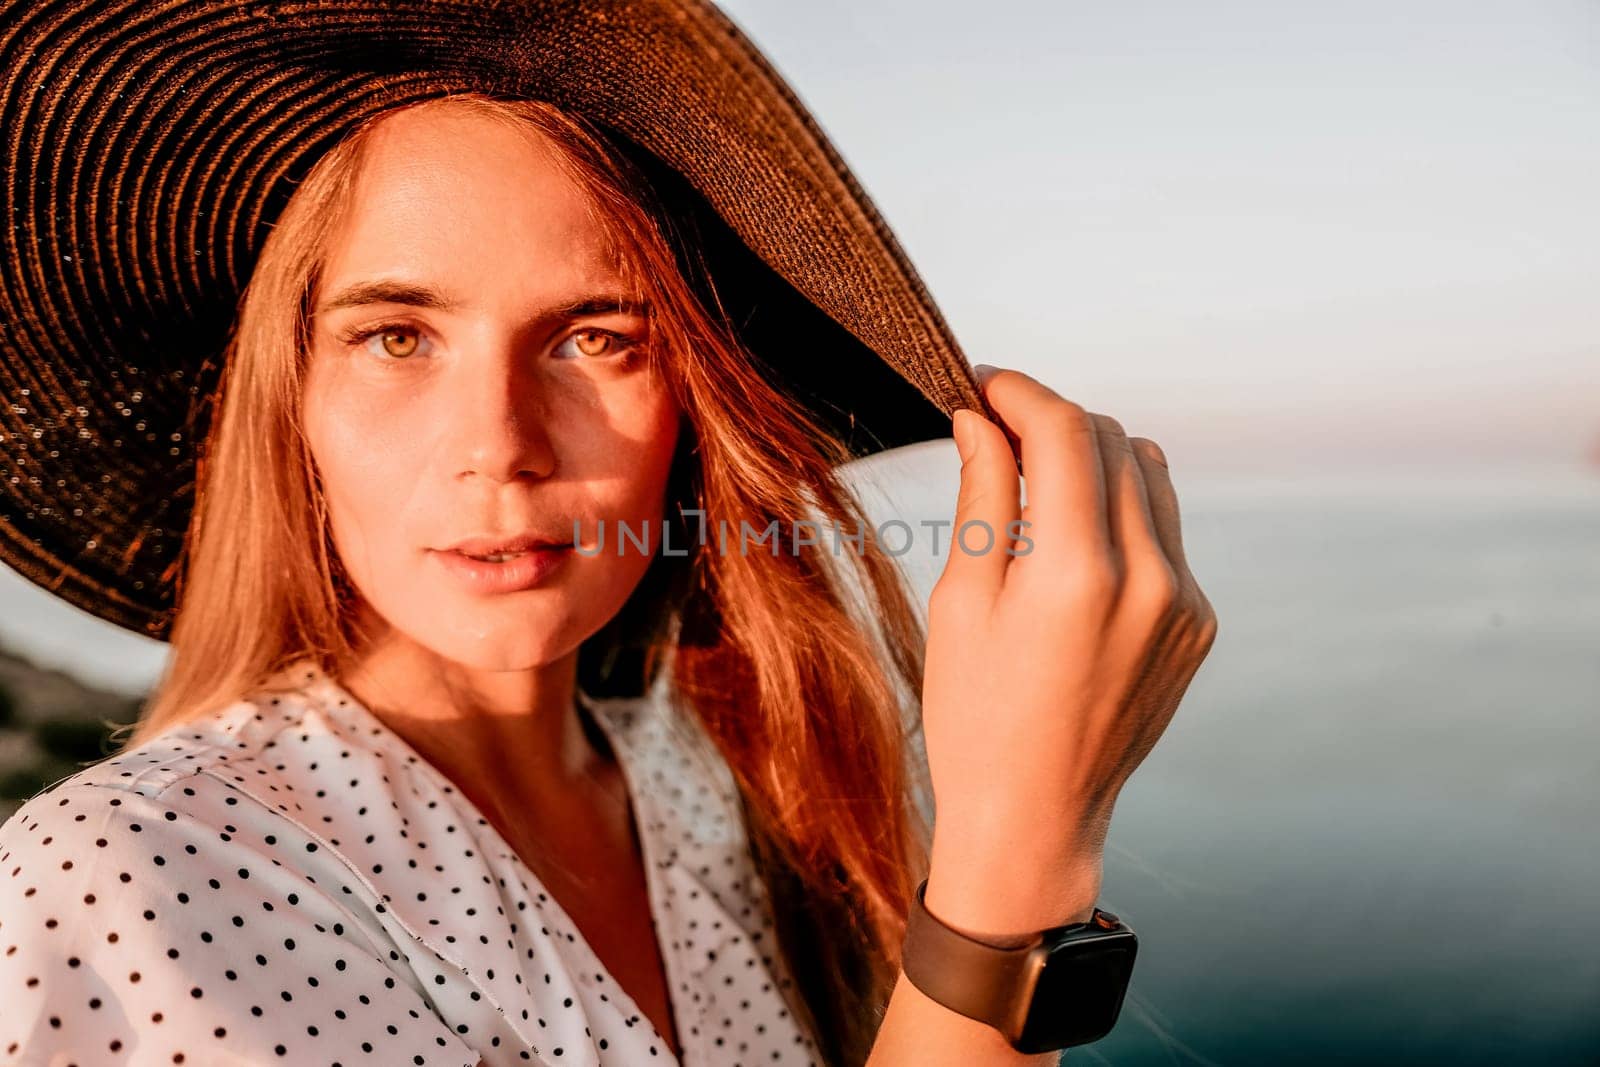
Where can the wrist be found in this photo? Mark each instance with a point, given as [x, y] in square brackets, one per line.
[1044, 838]
[1008, 901]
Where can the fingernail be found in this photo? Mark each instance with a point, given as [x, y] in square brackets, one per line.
[984, 371]
[961, 430]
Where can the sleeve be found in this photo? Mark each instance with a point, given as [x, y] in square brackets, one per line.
[135, 933]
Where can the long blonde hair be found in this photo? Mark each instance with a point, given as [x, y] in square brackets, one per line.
[800, 666]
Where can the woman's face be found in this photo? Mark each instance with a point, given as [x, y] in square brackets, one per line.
[501, 389]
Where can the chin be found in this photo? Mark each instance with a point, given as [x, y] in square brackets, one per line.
[516, 632]
[501, 642]
[507, 632]
[492, 651]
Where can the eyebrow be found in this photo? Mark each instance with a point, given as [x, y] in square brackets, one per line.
[423, 296]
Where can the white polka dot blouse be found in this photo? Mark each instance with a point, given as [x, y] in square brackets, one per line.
[287, 881]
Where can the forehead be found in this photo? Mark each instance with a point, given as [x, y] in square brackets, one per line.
[470, 200]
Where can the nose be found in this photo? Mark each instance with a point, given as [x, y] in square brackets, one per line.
[500, 420]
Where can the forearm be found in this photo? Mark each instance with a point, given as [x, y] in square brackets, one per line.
[988, 902]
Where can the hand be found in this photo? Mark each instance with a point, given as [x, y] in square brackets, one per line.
[1052, 672]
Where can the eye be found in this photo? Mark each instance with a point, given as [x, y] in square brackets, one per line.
[598, 344]
[394, 342]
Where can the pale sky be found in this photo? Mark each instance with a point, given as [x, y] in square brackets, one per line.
[1347, 234]
[1307, 241]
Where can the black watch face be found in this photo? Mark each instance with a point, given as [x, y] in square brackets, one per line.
[1080, 991]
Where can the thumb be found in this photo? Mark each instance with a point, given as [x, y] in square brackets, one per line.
[986, 505]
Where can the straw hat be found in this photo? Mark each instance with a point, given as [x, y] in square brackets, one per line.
[147, 145]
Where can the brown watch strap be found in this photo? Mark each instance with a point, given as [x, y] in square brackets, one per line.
[978, 980]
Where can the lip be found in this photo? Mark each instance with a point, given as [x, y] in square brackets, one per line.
[511, 576]
[488, 546]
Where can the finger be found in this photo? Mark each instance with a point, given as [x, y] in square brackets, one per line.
[984, 372]
[1133, 534]
[1163, 500]
[1060, 462]
[986, 506]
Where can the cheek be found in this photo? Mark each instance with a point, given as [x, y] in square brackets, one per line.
[641, 454]
[367, 467]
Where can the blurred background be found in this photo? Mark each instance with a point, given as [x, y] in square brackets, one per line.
[1340, 261]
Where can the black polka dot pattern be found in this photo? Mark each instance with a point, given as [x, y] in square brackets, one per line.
[288, 881]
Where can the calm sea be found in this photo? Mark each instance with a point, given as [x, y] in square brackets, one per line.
[1372, 833]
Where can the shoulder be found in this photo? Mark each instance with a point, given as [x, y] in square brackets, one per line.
[177, 898]
[202, 806]
[253, 783]
[287, 751]
[232, 742]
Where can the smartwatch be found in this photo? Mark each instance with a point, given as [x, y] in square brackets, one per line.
[1063, 988]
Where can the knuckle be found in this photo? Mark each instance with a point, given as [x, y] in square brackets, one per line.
[1149, 449]
[1154, 587]
[1094, 584]
[1110, 431]
[1204, 619]
[1070, 418]
[973, 504]
[1108, 425]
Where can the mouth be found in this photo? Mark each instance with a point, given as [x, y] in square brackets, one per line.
[504, 549]
[502, 570]
[506, 557]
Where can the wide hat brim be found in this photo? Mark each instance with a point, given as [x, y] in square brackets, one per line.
[149, 145]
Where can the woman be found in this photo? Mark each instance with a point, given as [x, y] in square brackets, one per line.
[376, 810]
